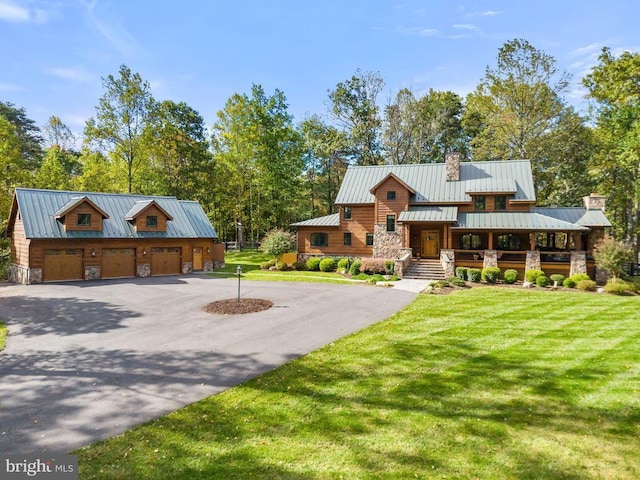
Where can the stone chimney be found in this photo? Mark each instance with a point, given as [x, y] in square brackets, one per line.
[594, 202]
[452, 161]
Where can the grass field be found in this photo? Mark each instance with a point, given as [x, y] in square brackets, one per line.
[3, 335]
[480, 384]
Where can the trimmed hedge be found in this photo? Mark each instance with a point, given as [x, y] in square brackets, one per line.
[327, 264]
[313, 264]
[510, 276]
[355, 268]
[542, 281]
[569, 283]
[557, 277]
[461, 273]
[580, 276]
[490, 274]
[301, 266]
[343, 265]
[474, 275]
[586, 285]
[531, 275]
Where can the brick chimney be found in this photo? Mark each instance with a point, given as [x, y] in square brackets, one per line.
[595, 202]
[452, 165]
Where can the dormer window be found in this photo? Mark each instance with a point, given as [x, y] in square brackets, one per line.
[84, 219]
[501, 202]
[480, 202]
[347, 213]
[152, 220]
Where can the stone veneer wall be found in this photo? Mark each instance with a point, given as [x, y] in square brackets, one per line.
[403, 261]
[532, 261]
[387, 244]
[452, 166]
[144, 270]
[92, 273]
[24, 275]
[490, 258]
[187, 267]
[578, 263]
[448, 262]
[208, 267]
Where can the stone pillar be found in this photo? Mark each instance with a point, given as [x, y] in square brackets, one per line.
[490, 258]
[448, 262]
[92, 273]
[387, 244]
[533, 260]
[578, 263]
[187, 267]
[452, 166]
[144, 270]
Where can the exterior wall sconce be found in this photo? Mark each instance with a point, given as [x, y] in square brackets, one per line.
[208, 250]
[93, 252]
[144, 251]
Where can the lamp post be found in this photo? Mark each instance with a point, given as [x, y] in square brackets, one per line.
[239, 272]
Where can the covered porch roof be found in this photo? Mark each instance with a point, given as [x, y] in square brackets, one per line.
[522, 221]
[429, 214]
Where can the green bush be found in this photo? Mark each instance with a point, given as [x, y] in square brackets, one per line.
[328, 264]
[389, 267]
[542, 281]
[461, 273]
[569, 283]
[278, 241]
[282, 266]
[510, 276]
[439, 284]
[490, 274]
[580, 276]
[617, 286]
[360, 276]
[300, 266]
[586, 285]
[458, 282]
[269, 264]
[355, 268]
[474, 275]
[557, 277]
[343, 265]
[531, 275]
[313, 264]
[393, 278]
[373, 266]
[375, 278]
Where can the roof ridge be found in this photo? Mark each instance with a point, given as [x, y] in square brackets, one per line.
[76, 192]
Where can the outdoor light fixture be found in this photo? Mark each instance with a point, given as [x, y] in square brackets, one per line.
[208, 250]
[93, 252]
[239, 271]
[144, 251]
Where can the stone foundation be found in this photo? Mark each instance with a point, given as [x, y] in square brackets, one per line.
[533, 260]
[187, 267]
[92, 273]
[208, 267]
[403, 261]
[448, 262]
[218, 264]
[578, 263]
[144, 270]
[490, 258]
[24, 275]
[387, 244]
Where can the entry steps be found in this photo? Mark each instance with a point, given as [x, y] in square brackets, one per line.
[425, 269]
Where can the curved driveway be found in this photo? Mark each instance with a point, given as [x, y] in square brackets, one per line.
[88, 360]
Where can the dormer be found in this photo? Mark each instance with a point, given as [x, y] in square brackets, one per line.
[148, 216]
[81, 214]
[392, 189]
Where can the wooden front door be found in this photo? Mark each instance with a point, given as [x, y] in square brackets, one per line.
[197, 258]
[430, 243]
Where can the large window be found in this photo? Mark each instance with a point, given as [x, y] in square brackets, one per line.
[152, 220]
[480, 202]
[84, 219]
[369, 239]
[471, 241]
[346, 239]
[391, 223]
[509, 241]
[347, 213]
[319, 240]
[391, 195]
[501, 202]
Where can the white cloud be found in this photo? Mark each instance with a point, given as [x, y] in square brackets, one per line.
[464, 26]
[587, 50]
[78, 74]
[12, 12]
[112, 29]
[490, 13]
[419, 31]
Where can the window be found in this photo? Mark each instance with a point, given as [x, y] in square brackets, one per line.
[346, 239]
[347, 213]
[152, 220]
[319, 240]
[480, 202]
[84, 219]
[391, 223]
[391, 195]
[501, 202]
[471, 241]
[369, 239]
[509, 241]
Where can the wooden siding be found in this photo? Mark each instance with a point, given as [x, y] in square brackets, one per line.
[141, 220]
[384, 207]
[71, 219]
[491, 205]
[19, 244]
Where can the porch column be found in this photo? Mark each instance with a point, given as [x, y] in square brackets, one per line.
[533, 260]
[578, 262]
[448, 262]
[532, 241]
[490, 258]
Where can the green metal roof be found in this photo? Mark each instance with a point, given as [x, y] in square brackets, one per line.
[332, 220]
[38, 208]
[578, 215]
[528, 221]
[429, 181]
[429, 214]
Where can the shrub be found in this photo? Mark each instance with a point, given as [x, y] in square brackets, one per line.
[279, 241]
[360, 276]
[461, 273]
[617, 286]
[439, 284]
[355, 268]
[580, 276]
[458, 282]
[375, 278]
[612, 255]
[389, 267]
[510, 276]
[343, 265]
[542, 281]
[328, 264]
[282, 266]
[373, 266]
[299, 266]
[269, 264]
[586, 285]
[557, 277]
[531, 275]
[490, 274]
[474, 275]
[313, 264]
[569, 283]
[393, 278]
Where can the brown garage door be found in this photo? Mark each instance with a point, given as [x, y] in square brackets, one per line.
[62, 264]
[165, 260]
[118, 262]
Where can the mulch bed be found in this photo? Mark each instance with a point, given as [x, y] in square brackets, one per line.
[232, 306]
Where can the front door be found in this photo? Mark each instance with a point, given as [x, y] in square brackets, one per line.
[430, 243]
[197, 258]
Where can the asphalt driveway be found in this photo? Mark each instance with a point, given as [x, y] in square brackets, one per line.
[88, 360]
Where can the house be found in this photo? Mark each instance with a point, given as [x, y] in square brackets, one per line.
[472, 214]
[60, 235]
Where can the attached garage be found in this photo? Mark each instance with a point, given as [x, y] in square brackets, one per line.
[166, 260]
[62, 264]
[118, 262]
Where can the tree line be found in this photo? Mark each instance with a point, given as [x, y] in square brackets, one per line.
[256, 166]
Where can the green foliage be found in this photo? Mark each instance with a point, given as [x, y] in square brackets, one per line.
[313, 264]
[532, 274]
[557, 277]
[474, 275]
[355, 267]
[569, 283]
[28, 135]
[461, 273]
[510, 276]
[439, 284]
[268, 264]
[300, 266]
[343, 265]
[542, 281]
[373, 266]
[375, 278]
[580, 276]
[612, 255]
[282, 266]
[12, 166]
[458, 282]
[278, 242]
[586, 285]
[617, 286]
[5, 258]
[327, 264]
[389, 267]
[490, 274]
[57, 170]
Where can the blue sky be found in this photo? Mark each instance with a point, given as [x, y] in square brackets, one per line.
[54, 53]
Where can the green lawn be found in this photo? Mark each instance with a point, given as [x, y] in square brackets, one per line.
[3, 335]
[483, 383]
